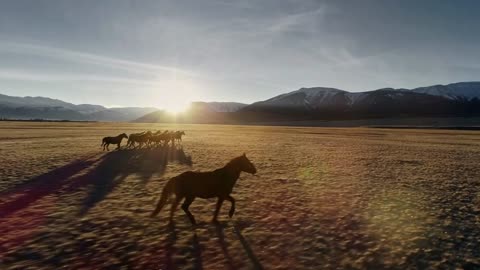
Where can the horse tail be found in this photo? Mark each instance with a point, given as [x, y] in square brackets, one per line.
[168, 189]
[103, 141]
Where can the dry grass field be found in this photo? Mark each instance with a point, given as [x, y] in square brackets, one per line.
[324, 198]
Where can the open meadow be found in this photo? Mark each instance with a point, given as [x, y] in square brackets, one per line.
[323, 198]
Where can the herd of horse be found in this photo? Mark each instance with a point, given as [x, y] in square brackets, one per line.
[189, 185]
[146, 138]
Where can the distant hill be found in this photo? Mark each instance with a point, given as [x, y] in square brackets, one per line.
[305, 104]
[460, 99]
[200, 113]
[12, 107]
[218, 106]
[320, 103]
[320, 97]
[454, 91]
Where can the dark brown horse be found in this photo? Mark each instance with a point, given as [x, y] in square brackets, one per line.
[177, 136]
[133, 138]
[142, 139]
[218, 183]
[157, 138]
[113, 140]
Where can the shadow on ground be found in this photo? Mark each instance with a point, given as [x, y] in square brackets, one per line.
[225, 232]
[108, 171]
[118, 165]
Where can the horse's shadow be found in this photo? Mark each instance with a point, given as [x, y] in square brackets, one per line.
[221, 231]
[117, 165]
[108, 172]
[172, 237]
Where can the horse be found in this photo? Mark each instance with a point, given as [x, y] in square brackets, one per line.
[178, 135]
[141, 138]
[158, 138]
[164, 137]
[218, 183]
[132, 138]
[113, 140]
[169, 137]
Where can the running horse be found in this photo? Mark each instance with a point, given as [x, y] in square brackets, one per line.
[218, 183]
[177, 136]
[113, 140]
[133, 138]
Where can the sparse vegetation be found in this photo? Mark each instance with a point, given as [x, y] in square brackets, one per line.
[324, 198]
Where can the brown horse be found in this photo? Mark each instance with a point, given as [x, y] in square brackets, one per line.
[158, 137]
[218, 183]
[113, 140]
[178, 135]
[142, 139]
[133, 137]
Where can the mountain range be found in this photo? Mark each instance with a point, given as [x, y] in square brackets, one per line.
[305, 104]
[12, 107]
[320, 103]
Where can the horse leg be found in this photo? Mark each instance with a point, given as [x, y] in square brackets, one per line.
[118, 145]
[217, 208]
[107, 147]
[232, 208]
[185, 206]
[174, 207]
[161, 203]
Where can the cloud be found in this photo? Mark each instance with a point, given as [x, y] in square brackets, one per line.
[75, 56]
[306, 21]
[40, 76]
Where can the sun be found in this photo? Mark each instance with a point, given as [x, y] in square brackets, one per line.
[175, 95]
[176, 106]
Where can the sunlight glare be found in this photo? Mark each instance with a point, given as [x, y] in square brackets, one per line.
[178, 97]
[176, 106]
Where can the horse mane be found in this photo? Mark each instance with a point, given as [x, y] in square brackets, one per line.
[233, 162]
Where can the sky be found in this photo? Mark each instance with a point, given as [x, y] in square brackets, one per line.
[168, 53]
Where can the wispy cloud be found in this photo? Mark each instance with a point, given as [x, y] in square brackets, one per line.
[94, 59]
[83, 57]
[40, 76]
[303, 21]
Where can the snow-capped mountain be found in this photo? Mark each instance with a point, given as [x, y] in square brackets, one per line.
[310, 98]
[462, 90]
[36, 102]
[12, 107]
[317, 103]
[320, 97]
[459, 99]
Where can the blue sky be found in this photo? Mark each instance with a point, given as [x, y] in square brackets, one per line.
[165, 53]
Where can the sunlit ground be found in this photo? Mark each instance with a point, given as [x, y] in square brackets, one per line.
[324, 198]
